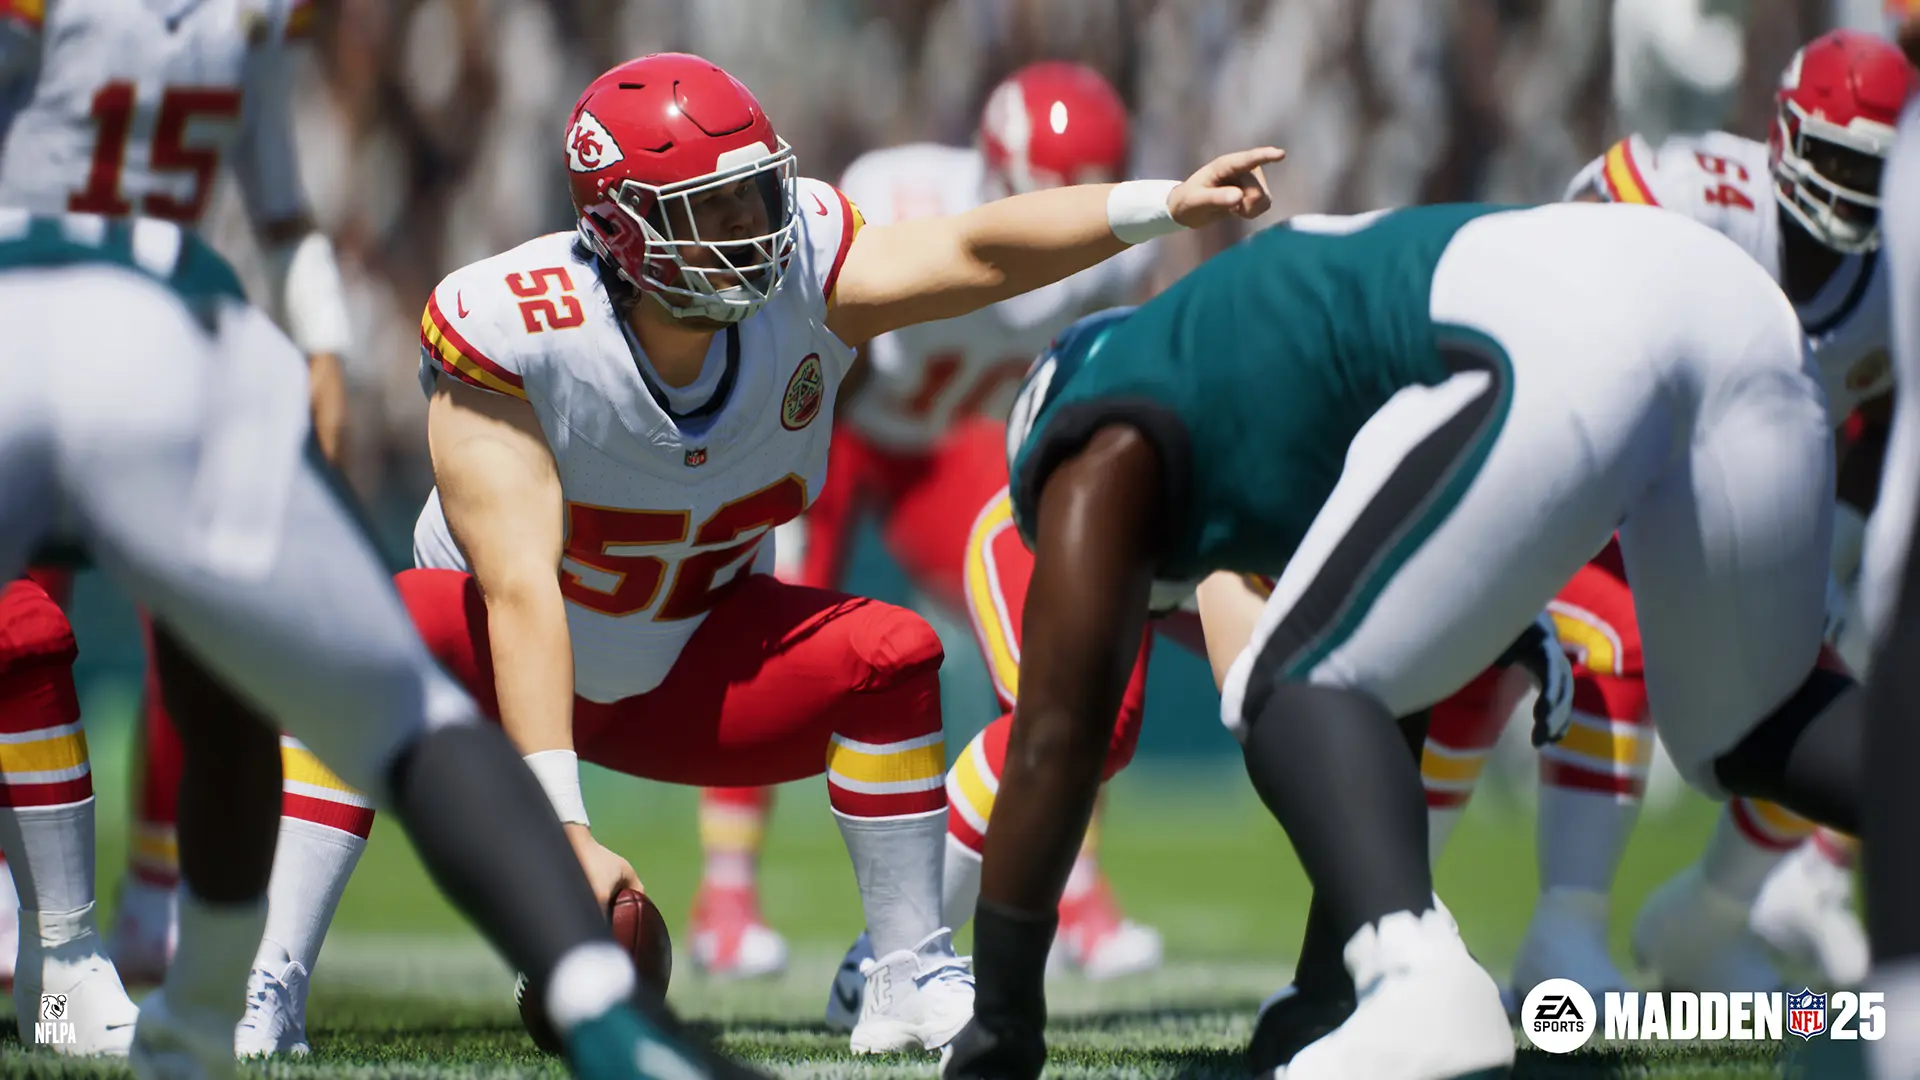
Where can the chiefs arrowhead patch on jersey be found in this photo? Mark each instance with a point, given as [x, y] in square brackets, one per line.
[804, 392]
[589, 146]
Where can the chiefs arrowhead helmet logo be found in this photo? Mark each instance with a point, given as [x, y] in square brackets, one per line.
[589, 147]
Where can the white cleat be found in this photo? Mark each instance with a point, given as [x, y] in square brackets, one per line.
[731, 941]
[276, 1018]
[1096, 937]
[170, 1046]
[1805, 910]
[849, 987]
[72, 986]
[145, 929]
[915, 999]
[1692, 936]
[1426, 1010]
[1567, 939]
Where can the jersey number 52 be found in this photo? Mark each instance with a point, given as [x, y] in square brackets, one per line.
[595, 533]
[180, 106]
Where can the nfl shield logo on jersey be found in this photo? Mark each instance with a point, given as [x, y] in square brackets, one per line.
[804, 392]
[696, 456]
[1806, 1013]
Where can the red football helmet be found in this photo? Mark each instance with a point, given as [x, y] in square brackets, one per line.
[1839, 102]
[647, 138]
[1051, 124]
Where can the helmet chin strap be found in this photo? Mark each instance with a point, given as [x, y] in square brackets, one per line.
[721, 314]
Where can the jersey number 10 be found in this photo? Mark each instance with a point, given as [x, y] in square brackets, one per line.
[113, 109]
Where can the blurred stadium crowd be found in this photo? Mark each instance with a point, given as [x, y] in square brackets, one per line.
[429, 130]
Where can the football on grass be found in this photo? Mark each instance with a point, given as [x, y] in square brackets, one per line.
[639, 928]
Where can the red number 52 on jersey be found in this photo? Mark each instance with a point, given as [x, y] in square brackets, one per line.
[594, 532]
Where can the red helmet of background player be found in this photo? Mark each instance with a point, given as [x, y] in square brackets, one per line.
[1839, 102]
[1051, 124]
[643, 143]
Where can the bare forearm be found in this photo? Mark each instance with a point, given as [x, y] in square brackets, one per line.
[1018, 244]
[533, 668]
[1229, 611]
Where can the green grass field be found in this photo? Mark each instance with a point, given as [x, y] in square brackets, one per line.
[405, 990]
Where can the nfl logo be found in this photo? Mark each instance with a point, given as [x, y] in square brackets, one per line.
[1806, 1013]
[697, 456]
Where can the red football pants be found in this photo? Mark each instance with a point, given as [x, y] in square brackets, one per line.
[780, 683]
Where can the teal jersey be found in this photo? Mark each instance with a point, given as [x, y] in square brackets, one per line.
[1251, 376]
[159, 250]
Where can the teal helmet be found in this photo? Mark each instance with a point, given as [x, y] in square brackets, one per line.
[1052, 370]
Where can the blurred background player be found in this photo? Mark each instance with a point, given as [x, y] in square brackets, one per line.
[113, 108]
[168, 443]
[1805, 205]
[921, 446]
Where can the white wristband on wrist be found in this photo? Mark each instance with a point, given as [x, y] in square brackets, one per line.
[559, 774]
[313, 300]
[1137, 210]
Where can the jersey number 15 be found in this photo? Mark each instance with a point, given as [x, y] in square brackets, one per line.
[180, 106]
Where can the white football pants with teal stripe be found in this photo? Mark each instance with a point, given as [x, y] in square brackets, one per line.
[1614, 368]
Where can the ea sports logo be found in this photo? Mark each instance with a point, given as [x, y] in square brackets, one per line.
[1559, 1016]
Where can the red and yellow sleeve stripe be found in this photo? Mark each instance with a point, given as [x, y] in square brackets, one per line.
[458, 358]
[851, 222]
[1621, 176]
[300, 19]
[29, 13]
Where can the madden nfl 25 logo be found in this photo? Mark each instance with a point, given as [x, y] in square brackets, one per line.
[1559, 1016]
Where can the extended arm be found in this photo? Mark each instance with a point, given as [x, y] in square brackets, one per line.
[941, 267]
[307, 296]
[501, 495]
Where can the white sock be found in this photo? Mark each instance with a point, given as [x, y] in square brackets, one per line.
[896, 861]
[311, 867]
[206, 984]
[1440, 823]
[52, 854]
[959, 884]
[1733, 864]
[588, 980]
[1896, 1055]
[1580, 837]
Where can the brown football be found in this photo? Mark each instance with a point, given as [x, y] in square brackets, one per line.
[639, 928]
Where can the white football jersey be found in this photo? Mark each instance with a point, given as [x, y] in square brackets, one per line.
[131, 106]
[661, 511]
[923, 378]
[1725, 182]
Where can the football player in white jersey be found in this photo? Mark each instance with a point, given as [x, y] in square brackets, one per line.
[168, 443]
[622, 413]
[921, 446]
[1804, 205]
[1891, 822]
[119, 107]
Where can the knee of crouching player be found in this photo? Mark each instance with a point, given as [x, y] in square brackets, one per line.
[893, 649]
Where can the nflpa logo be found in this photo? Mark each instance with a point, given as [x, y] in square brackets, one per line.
[696, 457]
